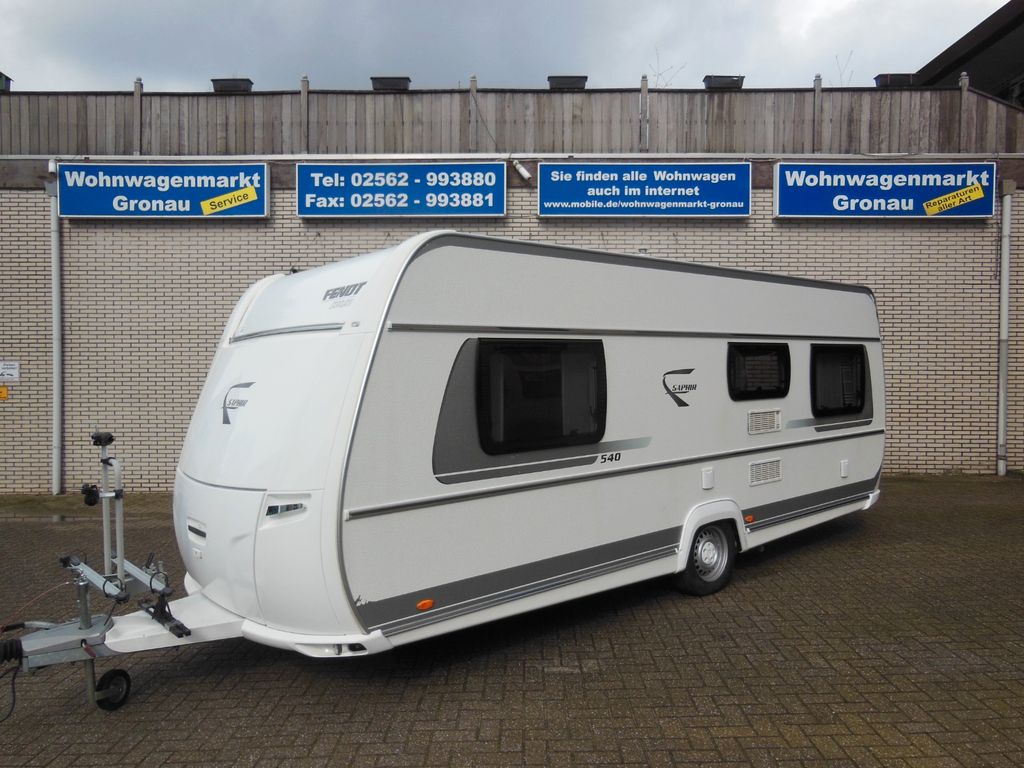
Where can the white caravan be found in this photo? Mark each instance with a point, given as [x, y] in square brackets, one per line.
[461, 428]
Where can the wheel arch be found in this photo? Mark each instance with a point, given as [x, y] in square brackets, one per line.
[719, 510]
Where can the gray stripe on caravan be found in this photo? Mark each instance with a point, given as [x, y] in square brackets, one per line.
[399, 613]
[515, 469]
[360, 513]
[843, 425]
[824, 426]
[559, 458]
[490, 601]
[790, 509]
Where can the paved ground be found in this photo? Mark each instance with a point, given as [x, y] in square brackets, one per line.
[893, 638]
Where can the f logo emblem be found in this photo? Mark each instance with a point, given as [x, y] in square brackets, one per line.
[674, 388]
[233, 403]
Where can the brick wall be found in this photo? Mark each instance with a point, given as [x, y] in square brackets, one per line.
[25, 338]
[146, 301]
[1015, 442]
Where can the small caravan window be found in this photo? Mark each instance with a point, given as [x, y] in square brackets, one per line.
[758, 371]
[534, 394]
[837, 379]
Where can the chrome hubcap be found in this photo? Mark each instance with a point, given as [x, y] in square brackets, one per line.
[708, 553]
[709, 558]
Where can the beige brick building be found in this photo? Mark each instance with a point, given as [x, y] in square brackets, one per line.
[145, 300]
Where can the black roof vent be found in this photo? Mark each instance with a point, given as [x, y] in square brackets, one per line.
[567, 82]
[5, 83]
[723, 82]
[895, 80]
[231, 84]
[391, 83]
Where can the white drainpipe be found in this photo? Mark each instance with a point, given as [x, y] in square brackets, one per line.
[1009, 187]
[57, 331]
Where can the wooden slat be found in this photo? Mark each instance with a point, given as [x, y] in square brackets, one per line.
[314, 122]
[868, 105]
[694, 138]
[10, 139]
[665, 120]
[38, 142]
[343, 125]
[146, 127]
[987, 124]
[825, 121]
[458, 140]
[168, 118]
[255, 130]
[155, 126]
[64, 118]
[7, 133]
[346, 118]
[413, 133]
[80, 130]
[121, 127]
[278, 118]
[1013, 138]
[323, 122]
[970, 123]
[317, 107]
[346, 129]
[112, 130]
[292, 140]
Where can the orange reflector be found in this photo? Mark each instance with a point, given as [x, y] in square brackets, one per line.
[749, 519]
[425, 605]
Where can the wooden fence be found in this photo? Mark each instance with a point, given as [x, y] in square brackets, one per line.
[829, 121]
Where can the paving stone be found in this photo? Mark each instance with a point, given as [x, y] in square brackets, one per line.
[890, 639]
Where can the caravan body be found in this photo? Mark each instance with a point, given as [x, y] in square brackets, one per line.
[459, 428]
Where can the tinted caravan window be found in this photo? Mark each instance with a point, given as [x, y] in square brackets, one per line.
[758, 371]
[535, 394]
[837, 379]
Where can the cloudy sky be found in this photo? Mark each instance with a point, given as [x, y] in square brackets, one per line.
[106, 44]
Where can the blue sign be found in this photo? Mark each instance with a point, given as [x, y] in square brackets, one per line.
[643, 189]
[94, 190]
[885, 190]
[400, 189]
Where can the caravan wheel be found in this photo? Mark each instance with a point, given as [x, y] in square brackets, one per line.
[114, 687]
[712, 556]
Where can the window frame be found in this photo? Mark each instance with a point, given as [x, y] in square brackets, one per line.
[744, 347]
[486, 348]
[863, 384]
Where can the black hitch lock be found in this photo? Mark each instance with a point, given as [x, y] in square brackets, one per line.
[92, 495]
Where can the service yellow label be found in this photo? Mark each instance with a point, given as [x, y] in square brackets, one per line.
[230, 200]
[953, 199]
[4, 393]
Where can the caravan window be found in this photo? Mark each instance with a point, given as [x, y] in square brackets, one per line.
[758, 371]
[837, 379]
[535, 394]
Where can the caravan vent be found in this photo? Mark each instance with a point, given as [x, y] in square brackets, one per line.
[760, 422]
[765, 471]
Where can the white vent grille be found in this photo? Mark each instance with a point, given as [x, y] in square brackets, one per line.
[762, 472]
[760, 422]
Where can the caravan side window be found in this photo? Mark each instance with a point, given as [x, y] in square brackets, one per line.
[837, 379]
[534, 394]
[758, 371]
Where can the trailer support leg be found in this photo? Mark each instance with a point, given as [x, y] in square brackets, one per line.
[90, 680]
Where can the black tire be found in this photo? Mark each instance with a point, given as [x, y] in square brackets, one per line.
[712, 557]
[117, 684]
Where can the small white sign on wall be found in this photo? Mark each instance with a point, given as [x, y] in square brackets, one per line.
[10, 372]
